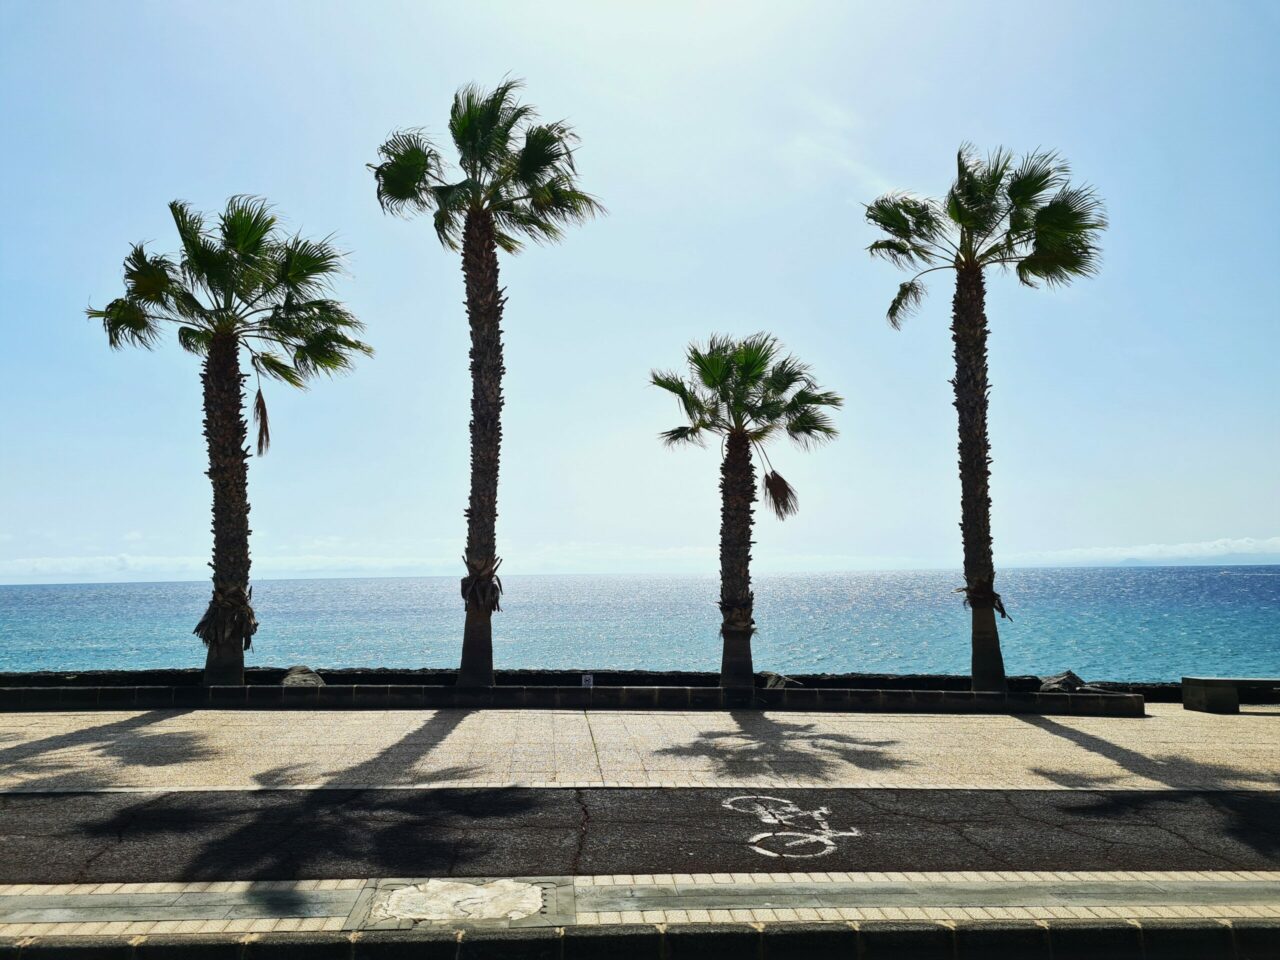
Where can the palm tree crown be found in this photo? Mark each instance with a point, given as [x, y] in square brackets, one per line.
[245, 279]
[746, 388]
[517, 170]
[1026, 216]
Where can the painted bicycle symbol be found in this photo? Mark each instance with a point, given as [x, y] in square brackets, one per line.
[815, 841]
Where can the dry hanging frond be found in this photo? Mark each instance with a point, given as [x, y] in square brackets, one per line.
[780, 495]
[264, 426]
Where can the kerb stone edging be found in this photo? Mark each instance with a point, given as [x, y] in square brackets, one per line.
[1008, 940]
[408, 697]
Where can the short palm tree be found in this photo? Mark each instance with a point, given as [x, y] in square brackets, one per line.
[1024, 215]
[516, 180]
[242, 285]
[746, 393]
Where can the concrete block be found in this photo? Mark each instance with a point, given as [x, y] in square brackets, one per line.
[1186, 939]
[712, 941]
[626, 942]
[891, 940]
[1257, 939]
[1012, 939]
[810, 941]
[1094, 940]
[221, 698]
[520, 943]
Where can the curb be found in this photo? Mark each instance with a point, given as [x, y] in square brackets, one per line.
[888, 940]
[415, 697]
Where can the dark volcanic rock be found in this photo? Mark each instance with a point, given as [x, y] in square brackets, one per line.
[301, 676]
[1065, 682]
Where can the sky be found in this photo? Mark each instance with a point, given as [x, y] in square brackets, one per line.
[1135, 416]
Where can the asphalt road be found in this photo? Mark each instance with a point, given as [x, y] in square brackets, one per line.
[318, 834]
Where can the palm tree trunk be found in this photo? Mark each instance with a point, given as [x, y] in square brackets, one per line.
[481, 588]
[969, 333]
[228, 624]
[738, 493]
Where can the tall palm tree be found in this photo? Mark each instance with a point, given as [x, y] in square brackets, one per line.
[746, 393]
[1024, 215]
[242, 285]
[516, 180]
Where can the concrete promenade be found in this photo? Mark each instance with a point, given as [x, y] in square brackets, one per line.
[540, 827]
[1171, 749]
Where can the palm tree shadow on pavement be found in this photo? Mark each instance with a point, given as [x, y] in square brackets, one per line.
[58, 763]
[763, 745]
[1245, 799]
[327, 831]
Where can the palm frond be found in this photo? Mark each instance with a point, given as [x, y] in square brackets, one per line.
[975, 202]
[810, 425]
[1064, 236]
[304, 268]
[277, 368]
[753, 358]
[409, 168]
[905, 303]
[694, 406]
[245, 225]
[779, 495]
[264, 424]
[677, 435]
[482, 125]
[127, 323]
[194, 340]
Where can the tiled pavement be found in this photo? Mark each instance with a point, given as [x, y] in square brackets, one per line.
[153, 909]
[161, 751]
[1171, 749]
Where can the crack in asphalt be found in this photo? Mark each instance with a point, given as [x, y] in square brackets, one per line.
[583, 825]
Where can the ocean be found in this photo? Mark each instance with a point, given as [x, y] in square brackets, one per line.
[1129, 623]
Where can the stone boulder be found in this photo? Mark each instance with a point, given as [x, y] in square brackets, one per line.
[1066, 682]
[301, 676]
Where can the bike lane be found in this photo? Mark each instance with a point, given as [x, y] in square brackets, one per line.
[305, 834]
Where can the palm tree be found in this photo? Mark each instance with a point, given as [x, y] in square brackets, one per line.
[1024, 215]
[242, 285]
[746, 393]
[517, 180]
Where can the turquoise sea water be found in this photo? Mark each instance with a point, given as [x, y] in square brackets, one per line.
[1143, 623]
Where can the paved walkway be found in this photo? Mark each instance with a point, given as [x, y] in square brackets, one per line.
[358, 824]
[167, 750]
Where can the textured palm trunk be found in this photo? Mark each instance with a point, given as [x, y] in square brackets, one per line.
[969, 333]
[481, 588]
[738, 493]
[228, 624]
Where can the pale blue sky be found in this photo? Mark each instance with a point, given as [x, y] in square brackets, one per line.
[1134, 415]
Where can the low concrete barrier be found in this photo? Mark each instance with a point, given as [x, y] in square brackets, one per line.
[888, 940]
[410, 697]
